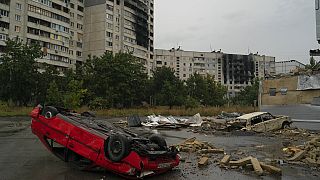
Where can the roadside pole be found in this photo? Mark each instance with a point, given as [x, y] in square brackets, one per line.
[260, 95]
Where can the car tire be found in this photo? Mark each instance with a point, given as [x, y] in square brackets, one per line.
[49, 112]
[159, 140]
[285, 125]
[118, 147]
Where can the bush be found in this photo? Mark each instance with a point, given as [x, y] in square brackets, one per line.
[191, 103]
[99, 103]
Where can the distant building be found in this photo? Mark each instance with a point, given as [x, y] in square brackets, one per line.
[231, 70]
[286, 67]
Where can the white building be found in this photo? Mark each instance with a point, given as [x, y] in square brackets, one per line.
[286, 67]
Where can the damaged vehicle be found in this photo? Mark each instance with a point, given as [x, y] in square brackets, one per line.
[261, 122]
[82, 140]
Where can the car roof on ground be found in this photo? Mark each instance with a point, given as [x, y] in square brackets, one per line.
[251, 115]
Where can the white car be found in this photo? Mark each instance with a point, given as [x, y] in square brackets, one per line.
[263, 122]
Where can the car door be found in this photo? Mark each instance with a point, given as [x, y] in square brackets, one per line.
[257, 124]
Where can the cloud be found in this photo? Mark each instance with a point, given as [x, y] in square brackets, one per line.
[284, 29]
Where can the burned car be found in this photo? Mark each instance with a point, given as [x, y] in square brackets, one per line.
[82, 140]
[261, 122]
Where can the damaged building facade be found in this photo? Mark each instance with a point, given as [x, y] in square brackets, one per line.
[120, 26]
[292, 90]
[231, 70]
[70, 30]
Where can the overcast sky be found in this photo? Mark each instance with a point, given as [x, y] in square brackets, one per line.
[281, 28]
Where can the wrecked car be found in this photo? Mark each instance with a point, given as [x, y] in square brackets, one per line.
[261, 122]
[82, 140]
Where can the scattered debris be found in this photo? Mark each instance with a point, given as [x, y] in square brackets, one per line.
[203, 161]
[225, 115]
[193, 145]
[170, 122]
[309, 153]
[134, 121]
[250, 163]
[225, 160]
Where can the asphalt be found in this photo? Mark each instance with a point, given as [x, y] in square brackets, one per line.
[22, 156]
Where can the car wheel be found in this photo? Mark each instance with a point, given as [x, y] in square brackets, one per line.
[49, 112]
[159, 140]
[118, 147]
[285, 125]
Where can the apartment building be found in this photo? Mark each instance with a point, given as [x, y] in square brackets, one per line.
[232, 70]
[286, 67]
[120, 26]
[70, 30]
[187, 63]
[55, 24]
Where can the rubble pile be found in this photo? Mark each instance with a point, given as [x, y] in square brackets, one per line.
[250, 163]
[309, 153]
[193, 145]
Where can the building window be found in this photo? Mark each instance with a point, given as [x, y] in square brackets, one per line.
[18, 17]
[3, 37]
[19, 6]
[273, 91]
[284, 91]
[17, 28]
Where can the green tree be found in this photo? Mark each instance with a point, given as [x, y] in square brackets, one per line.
[248, 95]
[119, 79]
[72, 97]
[19, 72]
[314, 65]
[206, 90]
[54, 97]
[166, 88]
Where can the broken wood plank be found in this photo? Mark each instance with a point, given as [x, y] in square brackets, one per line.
[270, 169]
[203, 161]
[225, 160]
[256, 166]
[298, 156]
[241, 162]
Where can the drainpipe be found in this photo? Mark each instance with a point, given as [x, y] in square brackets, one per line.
[260, 95]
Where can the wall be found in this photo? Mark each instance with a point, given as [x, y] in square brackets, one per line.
[293, 96]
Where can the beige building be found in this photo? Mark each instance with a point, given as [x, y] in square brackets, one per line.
[232, 70]
[119, 25]
[70, 30]
[291, 90]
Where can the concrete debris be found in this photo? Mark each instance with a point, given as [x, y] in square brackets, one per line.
[256, 166]
[203, 161]
[309, 153]
[225, 115]
[298, 156]
[193, 145]
[250, 163]
[241, 162]
[225, 160]
[270, 169]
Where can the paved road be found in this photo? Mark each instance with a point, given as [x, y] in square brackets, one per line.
[304, 116]
[22, 156]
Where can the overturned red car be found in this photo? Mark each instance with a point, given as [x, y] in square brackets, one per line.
[80, 139]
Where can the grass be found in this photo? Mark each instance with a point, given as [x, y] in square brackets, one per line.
[165, 111]
[177, 111]
[14, 111]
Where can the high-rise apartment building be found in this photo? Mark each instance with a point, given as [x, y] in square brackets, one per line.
[231, 70]
[70, 30]
[120, 25]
